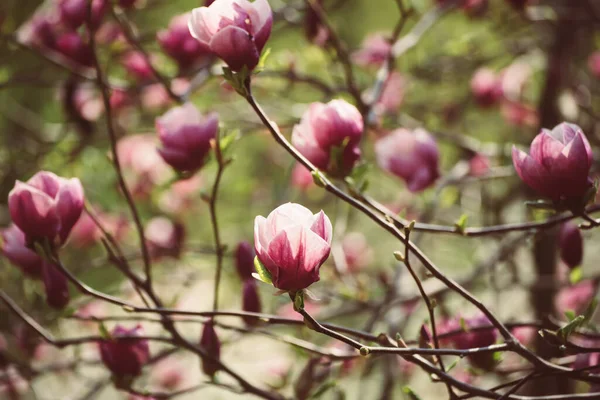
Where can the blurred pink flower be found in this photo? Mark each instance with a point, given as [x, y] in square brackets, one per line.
[14, 248]
[374, 51]
[125, 357]
[479, 165]
[486, 87]
[178, 43]
[138, 66]
[357, 251]
[393, 94]
[164, 237]
[301, 177]
[519, 114]
[169, 374]
[181, 196]
[575, 298]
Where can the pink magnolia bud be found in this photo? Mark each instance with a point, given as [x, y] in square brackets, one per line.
[178, 42]
[292, 244]
[15, 249]
[164, 237]
[328, 135]
[209, 341]
[74, 47]
[479, 165]
[125, 356]
[56, 286]
[251, 301]
[74, 13]
[571, 244]
[244, 260]
[575, 298]
[137, 66]
[169, 374]
[375, 50]
[486, 87]
[46, 206]
[235, 30]
[185, 135]
[119, 99]
[412, 156]
[301, 177]
[558, 164]
[594, 64]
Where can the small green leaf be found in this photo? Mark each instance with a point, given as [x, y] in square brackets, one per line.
[227, 140]
[299, 300]
[575, 275]
[262, 274]
[262, 61]
[570, 315]
[454, 364]
[103, 331]
[461, 224]
[410, 394]
[318, 178]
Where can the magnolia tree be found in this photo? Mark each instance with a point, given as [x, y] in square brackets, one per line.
[379, 229]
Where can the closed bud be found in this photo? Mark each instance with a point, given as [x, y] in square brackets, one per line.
[179, 44]
[412, 156]
[292, 244]
[209, 341]
[124, 354]
[74, 13]
[74, 47]
[15, 249]
[137, 65]
[46, 206]
[164, 237]
[328, 136]
[251, 301]
[486, 87]
[244, 260]
[56, 286]
[558, 163]
[185, 135]
[571, 244]
[234, 30]
[594, 64]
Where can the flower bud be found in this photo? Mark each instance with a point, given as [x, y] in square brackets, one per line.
[16, 251]
[519, 114]
[292, 244]
[594, 64]
[234, 30]
[178, 42]
[74, 47]
[164, 237]
[74, 13]
[209, 341]
[56, 286]
[251, 301]
[244, 260]
[47, 206]
[314, 29]
[575, 298]
[571, 244]
[558, 164]
[136, 64]
[185, 136]
[328, 136]
[479, 165]
[375, 50]
[412, 156]
[125, 356]
[486, 87]
[301, 177]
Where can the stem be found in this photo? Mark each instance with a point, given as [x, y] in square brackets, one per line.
[214, 221]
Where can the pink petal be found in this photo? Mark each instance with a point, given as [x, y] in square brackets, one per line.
[322, 226]
[47, 182]
[70, 201]
[198, 26]
[236, 47]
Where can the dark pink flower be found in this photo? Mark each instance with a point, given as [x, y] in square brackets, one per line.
[235, 30]
[594, 64]
[210, 342]
[164, 237]
[56, 286]
[412, 156]
[328, 136]
[375, 50]
[558, 164]
[486, 87]
[571, 244]
[46, 206]
[250, 301]
[470, 339]
[575, 298]
[16, 251]
[185, 135]
[292, 244]
[123, 354]
[244, 260]
[178, 42]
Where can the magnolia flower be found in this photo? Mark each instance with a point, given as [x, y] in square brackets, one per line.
[292, 244]
[125, 356]
[558, 164]
[412, 156]
[571, 244]
[46, 206]
[235, 30]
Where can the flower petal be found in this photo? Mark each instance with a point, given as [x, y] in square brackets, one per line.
[236, 47]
